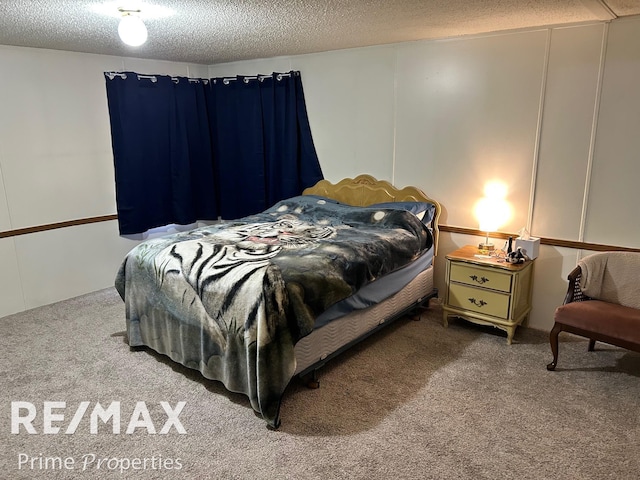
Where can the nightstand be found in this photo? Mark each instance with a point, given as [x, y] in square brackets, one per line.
[487, 291]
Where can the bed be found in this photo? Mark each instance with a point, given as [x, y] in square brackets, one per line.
[256, 301]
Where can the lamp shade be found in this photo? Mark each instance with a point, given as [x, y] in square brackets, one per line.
[492, 213]
[132, 30]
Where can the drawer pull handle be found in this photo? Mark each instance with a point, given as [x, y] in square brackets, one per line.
[478, 303]
[481, 280]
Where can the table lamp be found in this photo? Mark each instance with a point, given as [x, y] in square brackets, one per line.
[492, 211]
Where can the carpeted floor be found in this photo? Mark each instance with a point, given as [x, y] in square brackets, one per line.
[414, 401]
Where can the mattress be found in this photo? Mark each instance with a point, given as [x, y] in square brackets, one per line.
[324, 341]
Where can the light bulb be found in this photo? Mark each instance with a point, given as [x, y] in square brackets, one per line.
[132, 30]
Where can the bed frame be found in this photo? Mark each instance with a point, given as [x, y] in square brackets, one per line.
[323, 344]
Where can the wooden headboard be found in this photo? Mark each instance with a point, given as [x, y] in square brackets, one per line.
[365, 190]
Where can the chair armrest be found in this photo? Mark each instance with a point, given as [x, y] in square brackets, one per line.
[574, 293]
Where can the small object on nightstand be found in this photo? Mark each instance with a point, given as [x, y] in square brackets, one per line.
[530, 246]
[516, 257]
[487, 291]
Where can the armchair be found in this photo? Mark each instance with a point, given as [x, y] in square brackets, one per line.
[602, 302]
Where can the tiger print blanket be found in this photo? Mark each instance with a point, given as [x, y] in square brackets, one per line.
[232, 299]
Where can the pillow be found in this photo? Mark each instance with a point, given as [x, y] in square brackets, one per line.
[423, 210]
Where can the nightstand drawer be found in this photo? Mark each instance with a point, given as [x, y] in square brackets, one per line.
[480, 277]
[479, 300]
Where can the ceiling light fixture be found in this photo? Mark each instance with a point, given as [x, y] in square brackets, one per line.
[132, 29]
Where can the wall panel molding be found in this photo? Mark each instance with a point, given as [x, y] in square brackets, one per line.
[54, 226]
[554, 242]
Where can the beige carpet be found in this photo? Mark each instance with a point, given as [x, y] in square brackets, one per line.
[415, 401]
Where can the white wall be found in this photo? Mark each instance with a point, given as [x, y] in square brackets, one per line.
[551, 112]
[56, 165]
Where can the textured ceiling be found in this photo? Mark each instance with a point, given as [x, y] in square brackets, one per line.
[217, 31]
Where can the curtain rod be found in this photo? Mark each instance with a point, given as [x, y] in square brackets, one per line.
[246, 78]
[225, 80]
[153, 78]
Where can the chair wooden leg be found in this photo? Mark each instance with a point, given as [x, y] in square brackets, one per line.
[592, 345]
[553, 340]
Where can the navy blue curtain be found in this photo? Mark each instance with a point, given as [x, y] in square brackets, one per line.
[187, 150]
[263, 148]
[238, 152]
[162, 151]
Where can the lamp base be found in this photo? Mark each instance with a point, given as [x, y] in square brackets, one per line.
[486, 247]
